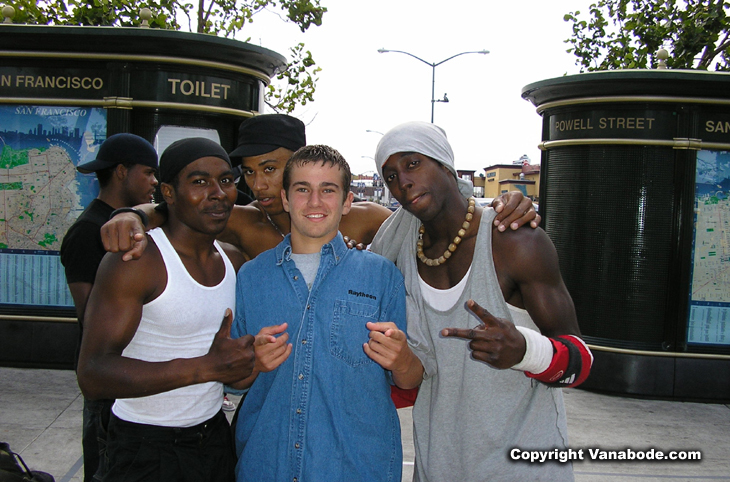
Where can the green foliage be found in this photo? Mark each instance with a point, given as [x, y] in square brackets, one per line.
[298, 82]
[95, 12]
[216, 17]
[626, 34]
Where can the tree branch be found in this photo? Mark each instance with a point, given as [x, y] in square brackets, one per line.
[725, 44]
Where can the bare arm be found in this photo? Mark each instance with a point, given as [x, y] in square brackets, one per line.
[125, 233]
[529, 275]
[112, 317]
[363, 221]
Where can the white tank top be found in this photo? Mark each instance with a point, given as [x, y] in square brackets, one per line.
[180, 323]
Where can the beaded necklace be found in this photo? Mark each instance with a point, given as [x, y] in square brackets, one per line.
[452, 247]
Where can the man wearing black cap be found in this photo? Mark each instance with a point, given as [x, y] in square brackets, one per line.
[265, 144]
[125, 168]
[154, 340]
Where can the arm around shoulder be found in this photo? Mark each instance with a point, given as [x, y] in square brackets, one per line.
[125, 232]
[363, 221]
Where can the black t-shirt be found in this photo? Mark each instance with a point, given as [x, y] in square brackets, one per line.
[82, 249]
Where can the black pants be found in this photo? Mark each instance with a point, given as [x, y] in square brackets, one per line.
[203, 453]
[96, 422]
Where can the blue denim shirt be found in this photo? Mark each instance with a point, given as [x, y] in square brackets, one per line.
[325, 414]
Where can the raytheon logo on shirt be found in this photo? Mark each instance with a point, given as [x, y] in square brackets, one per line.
[361, 294]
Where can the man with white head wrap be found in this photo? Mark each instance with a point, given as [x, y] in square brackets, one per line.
[469, 417]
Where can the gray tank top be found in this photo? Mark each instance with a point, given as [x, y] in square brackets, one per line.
[468, 415]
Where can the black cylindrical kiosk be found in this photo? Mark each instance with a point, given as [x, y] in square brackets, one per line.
[635, 181]
[63, 90]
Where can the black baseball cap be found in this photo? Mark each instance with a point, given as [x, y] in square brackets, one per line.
[265, 133]
[121, 148]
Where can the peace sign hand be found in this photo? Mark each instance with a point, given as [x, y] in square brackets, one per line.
[495, 341]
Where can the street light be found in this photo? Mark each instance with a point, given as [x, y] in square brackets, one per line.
[433, 74]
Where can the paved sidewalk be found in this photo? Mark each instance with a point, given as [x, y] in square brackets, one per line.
[40, 417]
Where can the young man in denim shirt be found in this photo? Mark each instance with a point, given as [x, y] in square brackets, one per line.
[330, 339]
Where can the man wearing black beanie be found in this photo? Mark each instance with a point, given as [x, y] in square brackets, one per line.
[154, 339]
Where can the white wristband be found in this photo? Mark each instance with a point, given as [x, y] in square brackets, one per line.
[538, 352]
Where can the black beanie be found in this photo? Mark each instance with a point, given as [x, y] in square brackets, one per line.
[186, 151]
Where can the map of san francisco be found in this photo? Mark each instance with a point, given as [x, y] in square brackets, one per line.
[709, 318]
[41, 195]
[711, 276]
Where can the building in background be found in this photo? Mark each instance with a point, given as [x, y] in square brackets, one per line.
[368, 186]
[518, 176]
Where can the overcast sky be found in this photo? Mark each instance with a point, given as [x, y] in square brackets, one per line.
[359, 89]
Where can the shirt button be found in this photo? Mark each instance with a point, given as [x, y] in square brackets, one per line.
[296, 278]
[304, 342]
[296, 445]
[301, 376]
[308, 306]
[299, 410]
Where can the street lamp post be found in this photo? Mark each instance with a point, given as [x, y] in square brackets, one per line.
[433, 71]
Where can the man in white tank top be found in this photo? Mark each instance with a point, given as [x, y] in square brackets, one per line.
[472, 422]
[154, 339]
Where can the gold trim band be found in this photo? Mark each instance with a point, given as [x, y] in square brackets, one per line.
[138, 58]
[126, 103]
[673, 354]
[148, 104]
[54, 319]
[679, 143]
[629, 98]
[107, 103]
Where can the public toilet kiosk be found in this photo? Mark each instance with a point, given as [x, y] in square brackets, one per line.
[63, 91]
[635, 194]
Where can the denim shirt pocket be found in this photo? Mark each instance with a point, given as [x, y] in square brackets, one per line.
[348, 332]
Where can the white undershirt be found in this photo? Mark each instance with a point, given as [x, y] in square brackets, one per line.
[442, 300]
[538, 348]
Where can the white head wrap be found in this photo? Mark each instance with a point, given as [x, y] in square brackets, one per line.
[423, 138]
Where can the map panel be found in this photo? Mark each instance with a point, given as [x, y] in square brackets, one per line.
[41, 195]
[709, 314]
